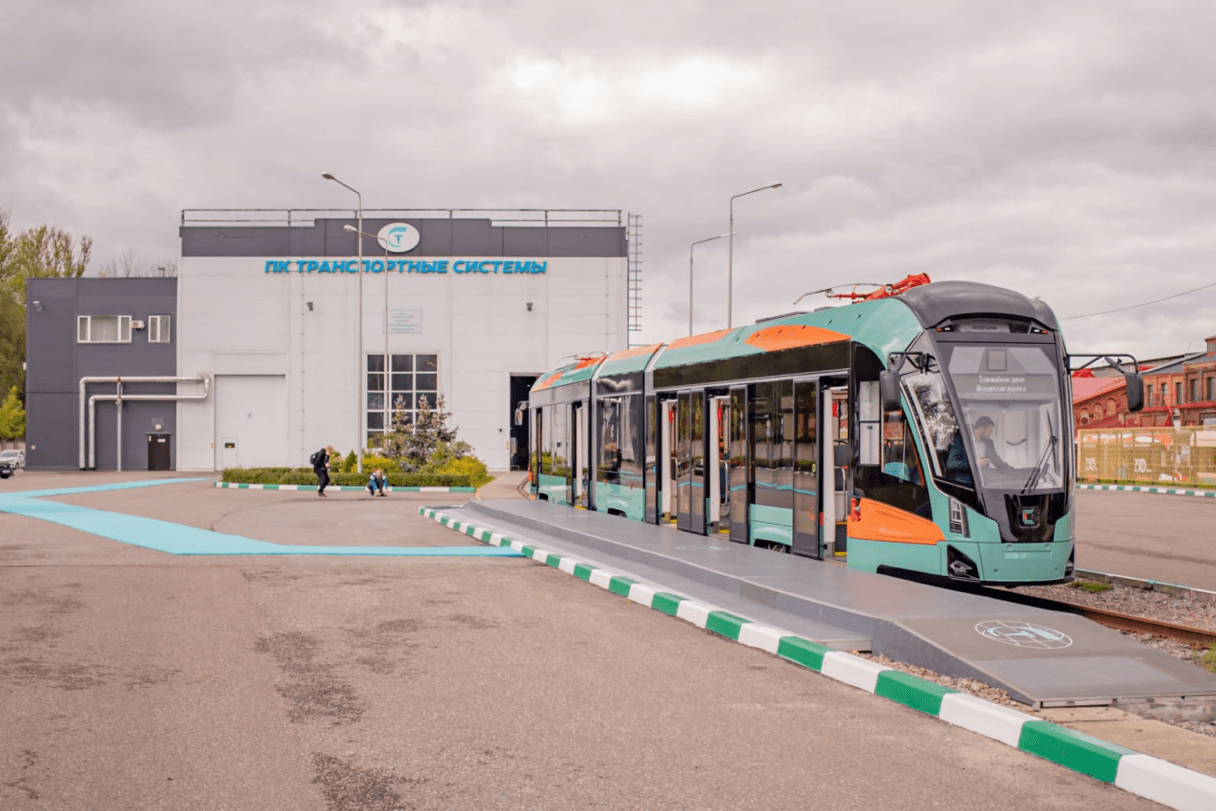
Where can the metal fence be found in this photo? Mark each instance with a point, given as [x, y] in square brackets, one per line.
[1147, 455]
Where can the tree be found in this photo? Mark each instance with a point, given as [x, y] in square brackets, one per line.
[12, 417]
[38, 253]
[427, 443]
[12, 343]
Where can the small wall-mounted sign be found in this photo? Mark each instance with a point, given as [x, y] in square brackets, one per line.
[404, 322]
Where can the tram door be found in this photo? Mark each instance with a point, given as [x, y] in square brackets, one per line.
[690, 462]
[736, 471]
[718, 469]
[578, 479]
[653, 507]
[538, 451]
[668, 459]
[807, 507]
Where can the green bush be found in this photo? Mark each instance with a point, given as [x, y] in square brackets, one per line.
[350, 463]
[371, 463]
[469, 466]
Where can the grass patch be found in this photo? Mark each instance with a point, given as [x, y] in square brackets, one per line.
[1208, 661]
[1091, 587]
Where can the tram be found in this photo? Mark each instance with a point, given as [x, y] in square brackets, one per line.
[924, 430]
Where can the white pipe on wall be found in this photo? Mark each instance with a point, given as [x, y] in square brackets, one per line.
[91, 409]
[84, 381]
[118, 417]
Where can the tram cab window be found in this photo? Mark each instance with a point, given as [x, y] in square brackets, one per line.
[1010, 399]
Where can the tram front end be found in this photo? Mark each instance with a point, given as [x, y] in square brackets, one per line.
[981, 404]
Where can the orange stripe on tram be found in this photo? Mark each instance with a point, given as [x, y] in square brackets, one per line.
[875, 521]
[788, 336]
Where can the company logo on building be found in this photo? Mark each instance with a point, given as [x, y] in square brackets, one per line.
[399, 237]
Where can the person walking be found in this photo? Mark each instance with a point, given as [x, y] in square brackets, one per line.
[320, 466]
[376, 482]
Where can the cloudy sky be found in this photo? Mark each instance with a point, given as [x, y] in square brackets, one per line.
[1066, 150]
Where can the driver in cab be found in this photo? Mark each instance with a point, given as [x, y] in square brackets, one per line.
[985, 452]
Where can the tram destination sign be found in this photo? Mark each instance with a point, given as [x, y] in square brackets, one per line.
[1005, 386]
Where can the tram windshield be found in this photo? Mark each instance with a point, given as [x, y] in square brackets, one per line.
[1005, 428]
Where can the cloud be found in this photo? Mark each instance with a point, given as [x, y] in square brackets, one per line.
[1064, 150]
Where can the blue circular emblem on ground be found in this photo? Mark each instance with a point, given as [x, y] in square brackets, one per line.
[1023, 634]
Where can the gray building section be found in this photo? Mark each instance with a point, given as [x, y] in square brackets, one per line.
[56, 361]
[439, 237]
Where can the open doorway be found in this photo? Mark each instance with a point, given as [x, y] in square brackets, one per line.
[521, 385]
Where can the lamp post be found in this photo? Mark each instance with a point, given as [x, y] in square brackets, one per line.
[690, 247]
[360, 371]
[730, 256]
[387, 388]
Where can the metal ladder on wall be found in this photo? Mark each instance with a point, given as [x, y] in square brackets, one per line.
[634, 237]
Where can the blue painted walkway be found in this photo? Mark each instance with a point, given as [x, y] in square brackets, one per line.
[179, 539]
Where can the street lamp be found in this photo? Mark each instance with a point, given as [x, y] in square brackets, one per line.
[387, 388]
[730, 256]
[360, 371]
[690, 247]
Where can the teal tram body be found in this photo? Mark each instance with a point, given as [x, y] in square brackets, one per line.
[926, 434]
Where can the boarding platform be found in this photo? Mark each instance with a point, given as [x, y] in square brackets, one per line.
[1040, 657]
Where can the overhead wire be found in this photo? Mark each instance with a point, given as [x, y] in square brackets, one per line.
[1142, 304]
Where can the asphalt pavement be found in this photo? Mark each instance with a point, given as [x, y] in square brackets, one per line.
[136, 679]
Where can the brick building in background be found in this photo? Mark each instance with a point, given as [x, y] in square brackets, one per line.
[1179, 393]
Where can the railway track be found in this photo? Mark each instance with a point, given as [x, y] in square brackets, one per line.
[1111, 619]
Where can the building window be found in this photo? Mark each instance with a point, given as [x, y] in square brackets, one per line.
[1211, 389]
[1178, 393]
[1194, 389]
[158, 329]
[410, 381]
[1148, 391]
[103, 329]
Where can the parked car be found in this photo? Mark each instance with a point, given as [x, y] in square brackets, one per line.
[6, 469]
[14, 458]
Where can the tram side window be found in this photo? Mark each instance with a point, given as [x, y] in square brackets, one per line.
[630, 440]
[760, 435]
[558, 435]
[609, 467]
[894, 475]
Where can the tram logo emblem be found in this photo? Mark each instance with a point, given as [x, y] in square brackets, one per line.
[399, 237]
[1030, 516]
[1023, 634]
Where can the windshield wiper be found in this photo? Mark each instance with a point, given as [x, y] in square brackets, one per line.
[1041, 467]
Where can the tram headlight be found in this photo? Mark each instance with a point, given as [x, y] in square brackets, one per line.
[959, 566]
[958, 518]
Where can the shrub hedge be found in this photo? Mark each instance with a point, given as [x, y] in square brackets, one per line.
[304, 475]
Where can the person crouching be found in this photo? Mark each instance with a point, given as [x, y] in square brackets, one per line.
[375, 485]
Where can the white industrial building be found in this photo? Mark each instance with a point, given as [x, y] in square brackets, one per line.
[294, 340]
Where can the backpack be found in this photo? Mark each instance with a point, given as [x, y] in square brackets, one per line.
[315, 459]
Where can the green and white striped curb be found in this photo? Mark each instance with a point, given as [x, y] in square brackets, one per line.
[350, 488]
[1137, 488]
[1144, 775]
